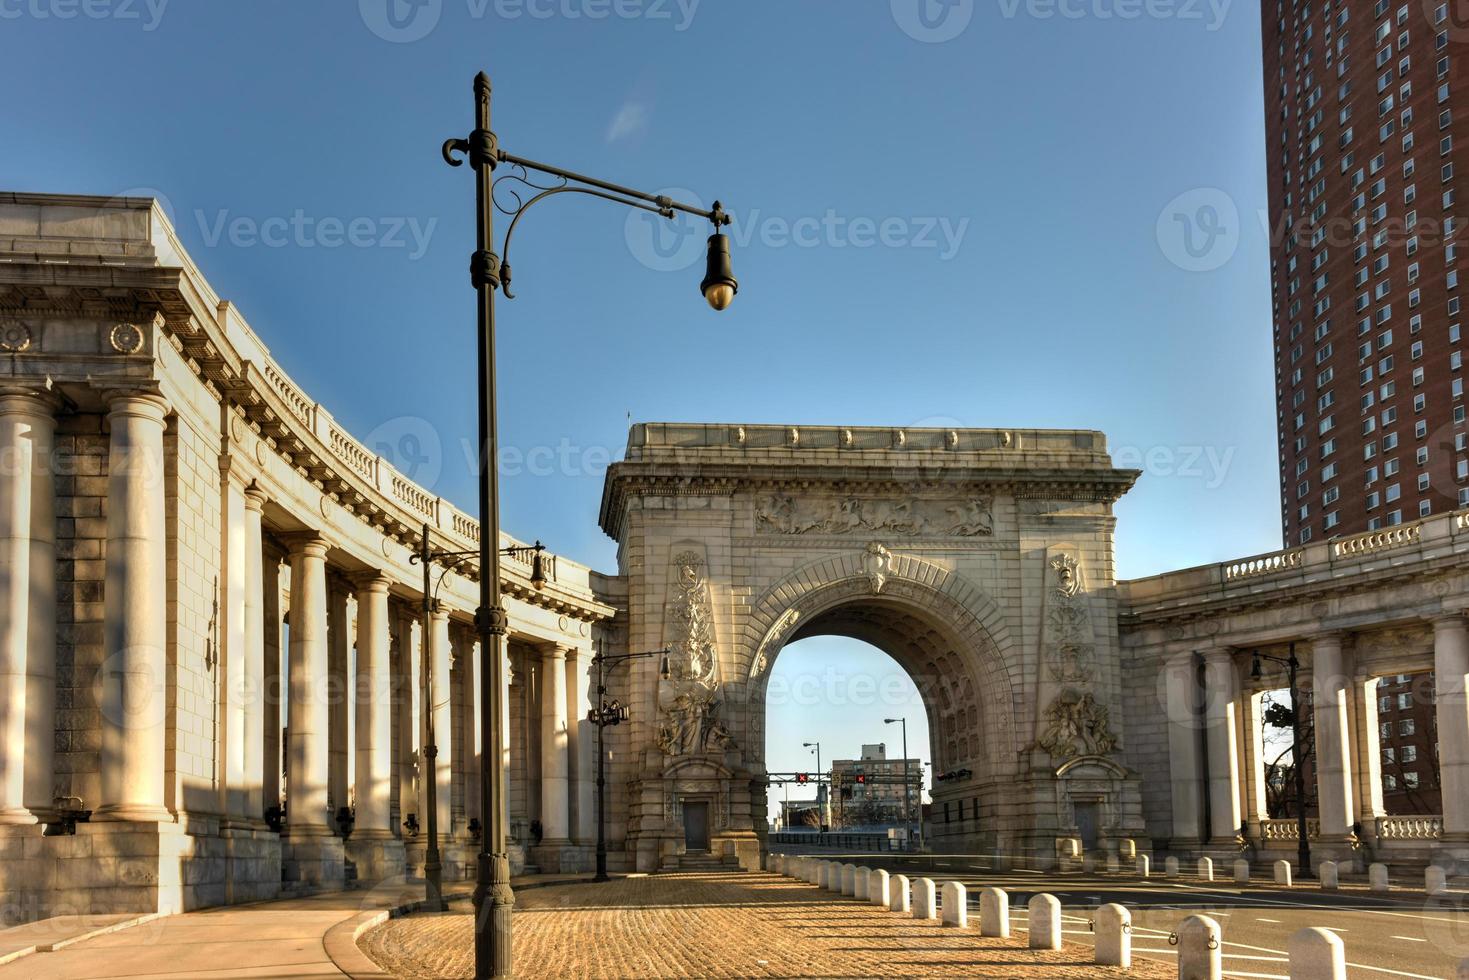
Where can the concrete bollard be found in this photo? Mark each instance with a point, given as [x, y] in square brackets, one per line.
[1170, 867]
[1377, 877]
[1089, 864]
[848, 884]
[1045, 922]
[1282, 873]
[823, 874]
[1206, 869]
[1114, 864]
[1241, 872]
[898, 894]
[1317, 954]
[994, 913]
[1144, 866]
[955, 905]
[834, 878]
[772, 862]
[925, 899]
[1199, 954]
[1435, 880]
[877, 888]
[1127, 847]
[1328, 875]
[859, 884]
[1114, 936]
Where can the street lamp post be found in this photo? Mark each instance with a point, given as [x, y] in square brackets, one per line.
[820, 786]
[907, 789]
[1293, 667]
[608, 713]
[493, 898]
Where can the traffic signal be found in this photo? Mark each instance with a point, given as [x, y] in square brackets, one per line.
[802, 777]
[861, 777]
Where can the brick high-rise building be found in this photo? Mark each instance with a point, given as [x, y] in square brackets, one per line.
[1366, 138]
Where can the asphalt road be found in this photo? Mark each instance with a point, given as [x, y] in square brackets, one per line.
[1402, 934]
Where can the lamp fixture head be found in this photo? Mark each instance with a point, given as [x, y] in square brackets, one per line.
[1257, 670]
[719, 286]
[538, 568]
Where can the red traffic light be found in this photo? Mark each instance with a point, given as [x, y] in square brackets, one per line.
[801, 777]
[861, 777]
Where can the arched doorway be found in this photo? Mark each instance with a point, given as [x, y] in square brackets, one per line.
[965, 695]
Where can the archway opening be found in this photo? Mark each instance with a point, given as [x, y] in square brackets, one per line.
[851, 699]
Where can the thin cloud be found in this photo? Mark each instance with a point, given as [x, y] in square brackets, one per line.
[631, 120]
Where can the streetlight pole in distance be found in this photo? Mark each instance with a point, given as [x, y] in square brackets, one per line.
[907, 789]
[820, 786]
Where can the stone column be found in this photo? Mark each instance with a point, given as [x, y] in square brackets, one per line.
[373, 692]
[1183, 748]
[276, 687]
[438, 707]
[555, 804]
[1368, 745]
[470, 667]
[1451, 673]
[583, 749]
[27, 605]
[337, 691]
[255, 762]
[308, 753]
[1331, 687]
[232, 587]
[1221, 719]
[135, 614]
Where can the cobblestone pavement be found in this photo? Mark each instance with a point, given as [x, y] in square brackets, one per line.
[721, 925]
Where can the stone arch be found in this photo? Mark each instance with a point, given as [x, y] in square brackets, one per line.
[942, 629]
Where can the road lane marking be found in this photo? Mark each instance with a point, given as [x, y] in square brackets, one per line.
[1409, 939]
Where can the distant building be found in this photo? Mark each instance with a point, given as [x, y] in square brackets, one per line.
[1407, 737]
[870, 790]
[1363, 142]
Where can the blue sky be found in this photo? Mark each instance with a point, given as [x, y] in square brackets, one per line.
[952, 212]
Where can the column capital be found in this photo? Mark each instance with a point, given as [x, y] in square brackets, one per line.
[373, 580]
[255, 497]
[1449, 621]
[1327, 638]
[308, 543]
[554, 650]
[1216, 654]
[28, 401]
[136, 402]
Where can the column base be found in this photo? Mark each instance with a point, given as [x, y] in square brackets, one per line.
[131, 813]
[17, 816]
[313, 862]
[252, 863]
[108, 868]
[376, 858]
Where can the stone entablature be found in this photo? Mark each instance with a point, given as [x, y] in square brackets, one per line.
[118, 262]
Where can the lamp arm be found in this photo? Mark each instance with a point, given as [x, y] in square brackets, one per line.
[521, 208]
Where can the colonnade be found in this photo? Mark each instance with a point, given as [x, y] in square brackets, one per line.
[349, 699]
[1215, 750]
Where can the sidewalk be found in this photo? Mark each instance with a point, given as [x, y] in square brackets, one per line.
[721, 925]
[291, 938]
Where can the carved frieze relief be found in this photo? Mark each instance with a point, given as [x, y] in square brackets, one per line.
[905, 517]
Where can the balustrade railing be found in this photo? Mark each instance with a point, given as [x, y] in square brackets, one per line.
[1416, 827]
[1289, 829]
[1262, 564]
[1372, 541]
